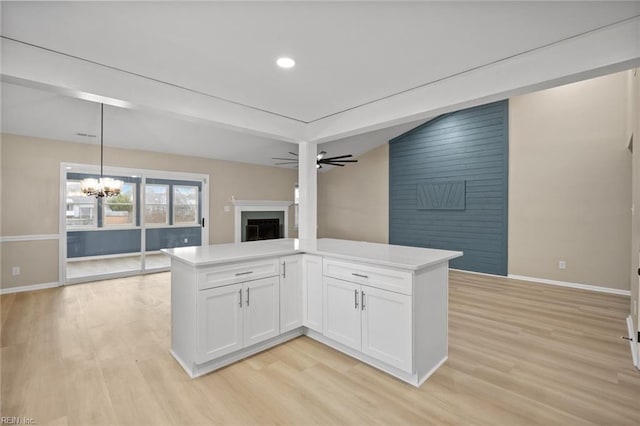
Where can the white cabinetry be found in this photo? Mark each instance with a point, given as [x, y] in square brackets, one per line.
[384, 305]
[261, 315]
[342, 316]
[236, 316]
[386, 326]
[290, 292]
[219, 322]
[312, 309]
[374, 321]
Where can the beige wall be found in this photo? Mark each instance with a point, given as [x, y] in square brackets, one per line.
[353, 201]
[30, 180]
[570, 183]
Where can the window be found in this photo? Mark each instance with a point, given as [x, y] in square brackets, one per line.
[120, 210]
[81, 210]
[156, 200]
[185, 205]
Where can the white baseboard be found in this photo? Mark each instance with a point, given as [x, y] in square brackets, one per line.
[572, 285]
[477, 273]
[553, 282]
[20, 289]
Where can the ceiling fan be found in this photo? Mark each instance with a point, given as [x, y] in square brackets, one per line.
[320, 160]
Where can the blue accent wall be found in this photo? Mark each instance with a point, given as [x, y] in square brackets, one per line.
[448, 187]
[159, 238]
[101, 243]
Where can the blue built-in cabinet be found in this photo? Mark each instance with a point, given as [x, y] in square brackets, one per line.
[448, 187]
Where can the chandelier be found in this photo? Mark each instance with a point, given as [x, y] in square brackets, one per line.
[103, 187]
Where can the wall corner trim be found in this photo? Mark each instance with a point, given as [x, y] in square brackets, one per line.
[588, 287]
[33, 287]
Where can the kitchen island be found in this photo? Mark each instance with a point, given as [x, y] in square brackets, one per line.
[385, 305]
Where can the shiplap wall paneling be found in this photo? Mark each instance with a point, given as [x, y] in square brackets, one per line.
[448, 182]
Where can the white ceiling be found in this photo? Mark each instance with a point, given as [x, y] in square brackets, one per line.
[49, 115]
[350, 56]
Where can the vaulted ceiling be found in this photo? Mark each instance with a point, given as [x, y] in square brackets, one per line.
[200, 77]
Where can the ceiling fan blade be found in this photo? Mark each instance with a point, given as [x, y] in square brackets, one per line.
[338, 157]
[334, 164]
[338, 161]
[293, 153]
[288, 159]
[288, 162]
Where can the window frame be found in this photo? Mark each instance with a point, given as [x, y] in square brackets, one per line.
[133, 204]
[93, 202]
[167, 221]
[174, 205]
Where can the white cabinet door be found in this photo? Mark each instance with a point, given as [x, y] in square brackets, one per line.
[290, 292]
[386, 327]
[342, 311]
[261, 310]
[312, 292]
[219, 322]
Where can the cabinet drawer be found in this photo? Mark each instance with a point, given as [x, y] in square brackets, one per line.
[216, 276]
[383, 278]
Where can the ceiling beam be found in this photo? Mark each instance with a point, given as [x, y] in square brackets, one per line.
[40, 68]
[603, 51]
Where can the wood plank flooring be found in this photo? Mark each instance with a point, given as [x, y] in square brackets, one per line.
[519, 354]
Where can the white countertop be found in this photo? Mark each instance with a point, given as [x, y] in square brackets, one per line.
[403, 257]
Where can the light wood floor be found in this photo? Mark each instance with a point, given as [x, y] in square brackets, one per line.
[519, 354]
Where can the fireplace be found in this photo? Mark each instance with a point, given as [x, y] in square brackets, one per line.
[262, 229]
[261, 219]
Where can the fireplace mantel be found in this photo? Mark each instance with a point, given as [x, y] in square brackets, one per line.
[261, 206]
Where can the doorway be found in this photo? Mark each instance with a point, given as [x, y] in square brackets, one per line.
[123, 235]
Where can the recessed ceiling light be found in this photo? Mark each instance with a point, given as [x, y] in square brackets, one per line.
[285, 62]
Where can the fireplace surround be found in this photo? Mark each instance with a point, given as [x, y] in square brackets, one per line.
[261, 210]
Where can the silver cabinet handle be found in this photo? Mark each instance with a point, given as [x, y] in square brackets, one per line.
[356, 298]
[248, 295]
[284, 270]
[240, 293]
[362, 300]
[359, 275]
[243, 273]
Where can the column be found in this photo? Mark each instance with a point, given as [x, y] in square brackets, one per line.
[307, 183]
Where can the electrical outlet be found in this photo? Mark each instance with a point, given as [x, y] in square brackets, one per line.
[562, 264]
[186, 240]
[15, 271]
[227, 209]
